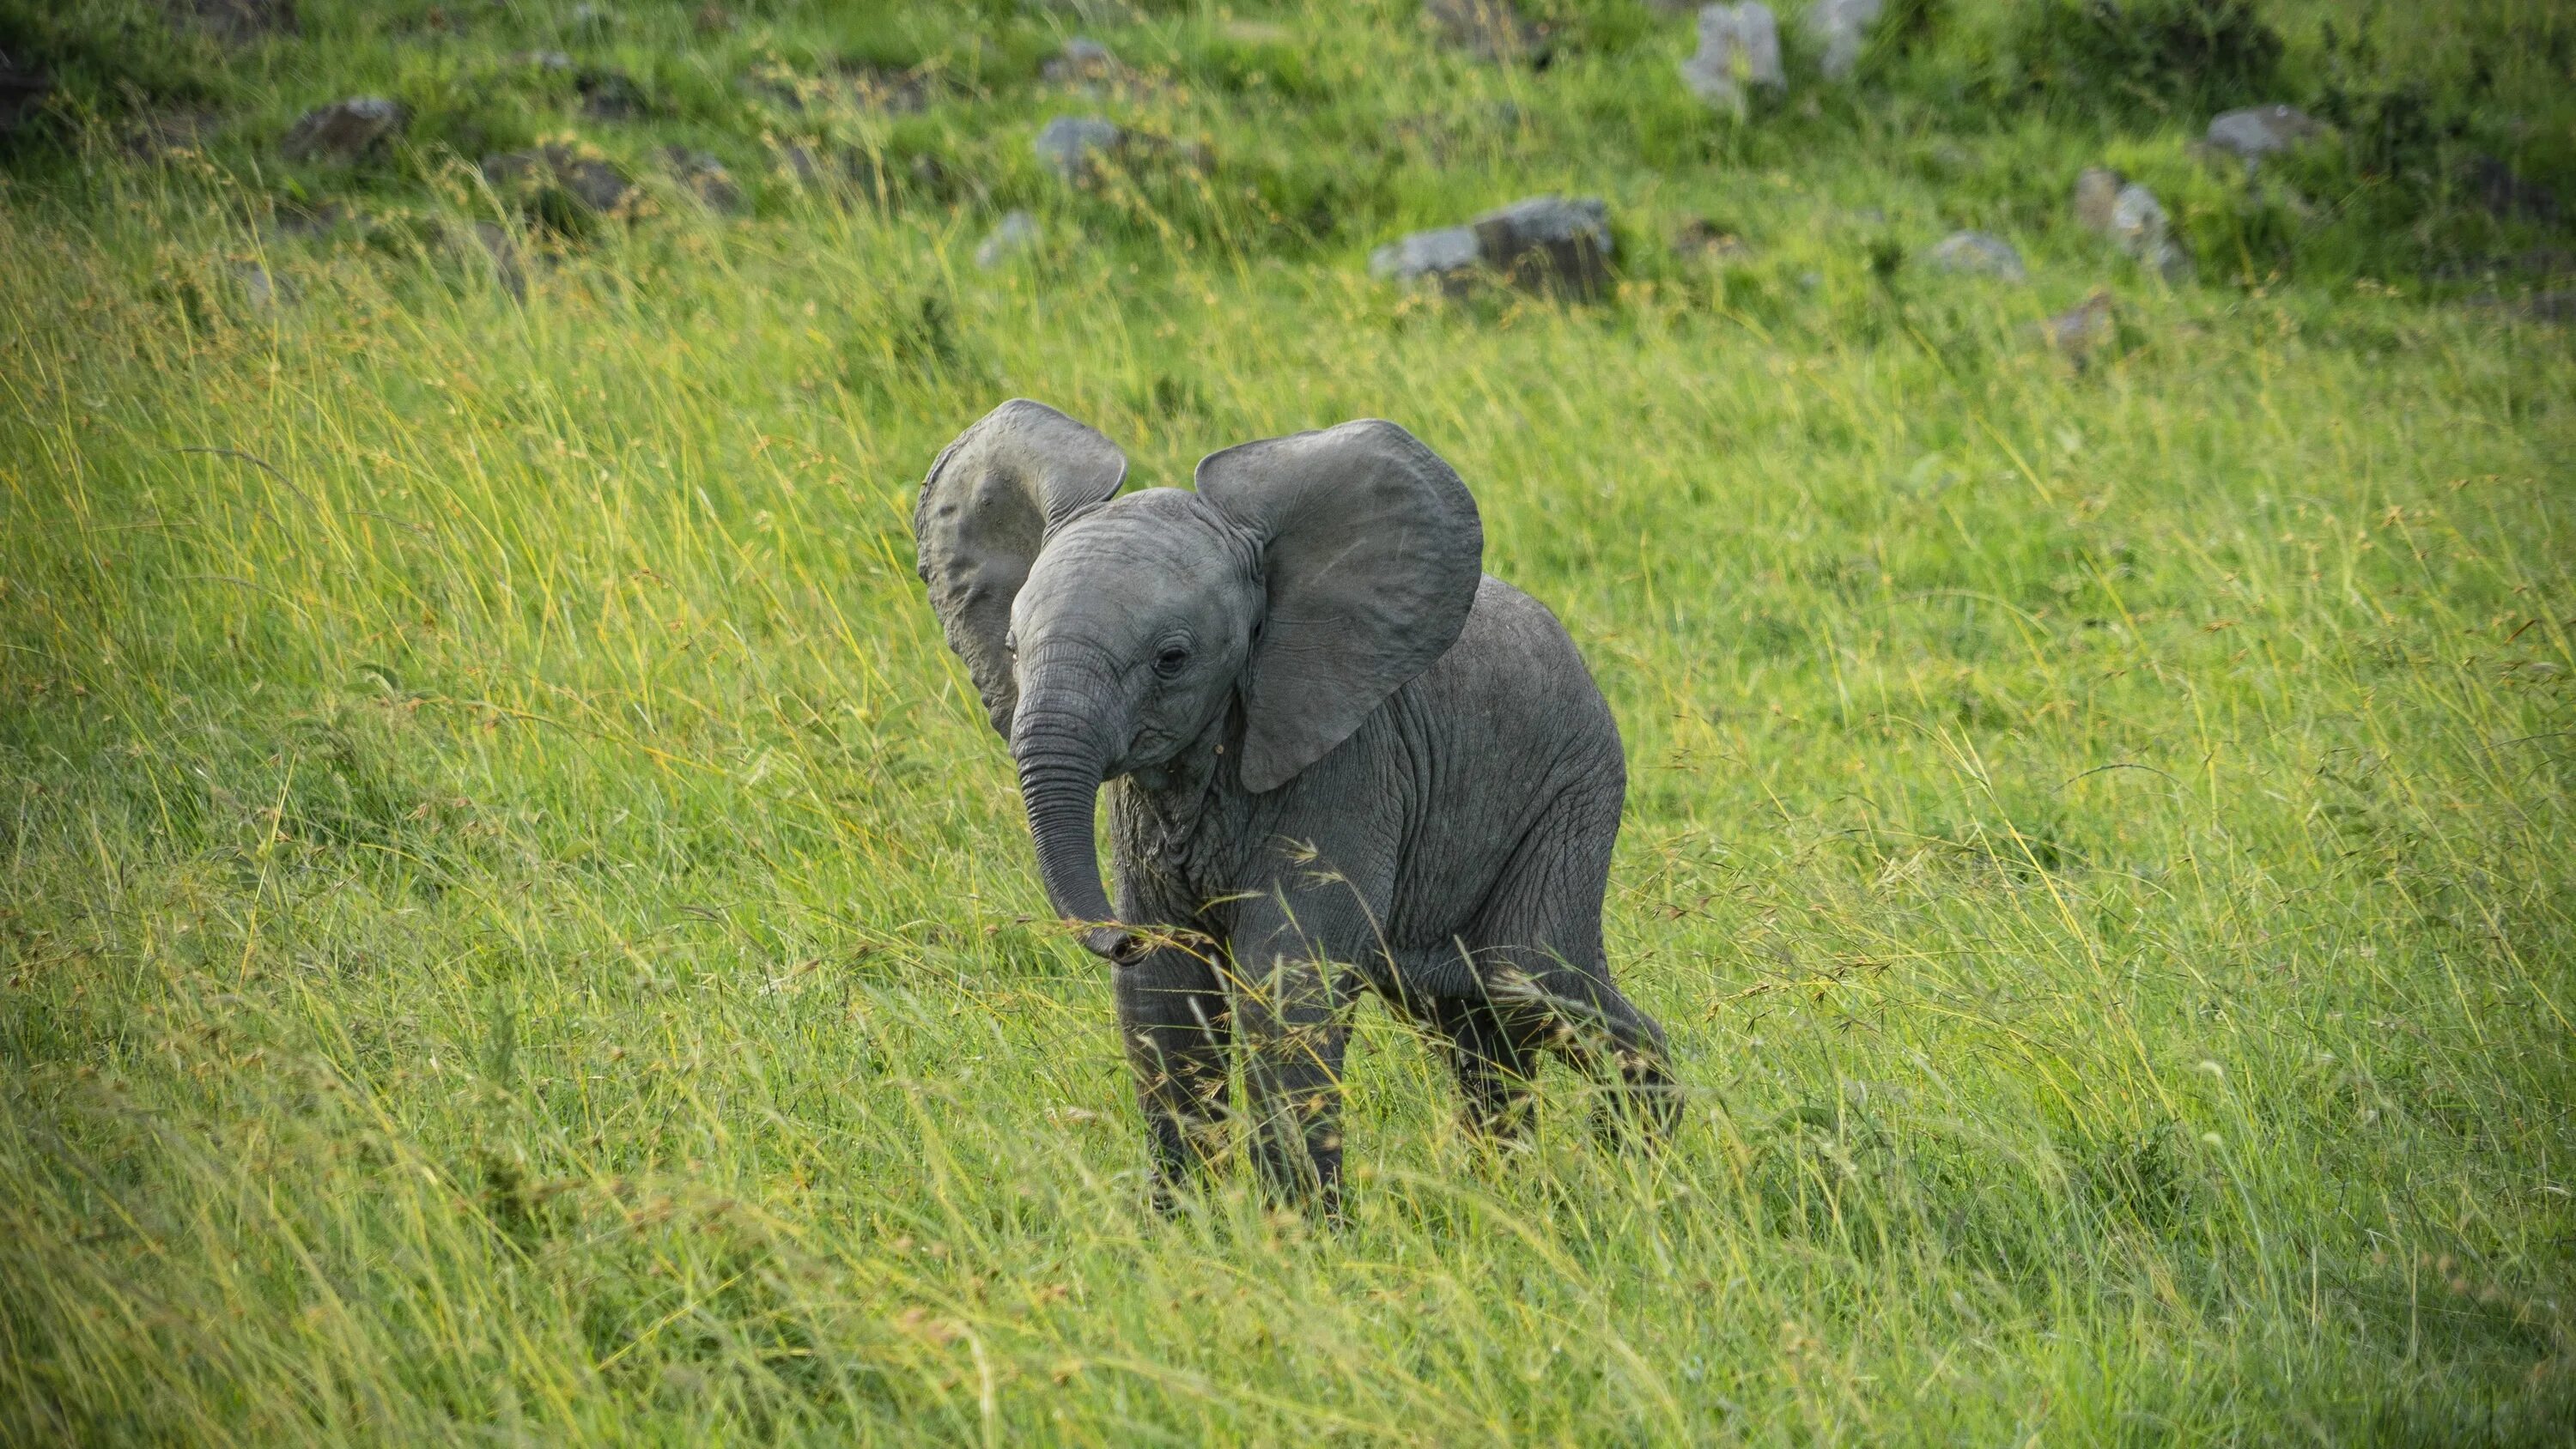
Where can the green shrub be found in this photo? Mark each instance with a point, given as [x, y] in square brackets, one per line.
[2146, 57]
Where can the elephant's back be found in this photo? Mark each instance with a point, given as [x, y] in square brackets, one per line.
[1516, 676]
[1507, 735]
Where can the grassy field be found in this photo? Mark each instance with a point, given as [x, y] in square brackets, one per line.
[514, 928]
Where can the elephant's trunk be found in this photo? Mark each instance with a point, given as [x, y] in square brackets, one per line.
[1060, 772]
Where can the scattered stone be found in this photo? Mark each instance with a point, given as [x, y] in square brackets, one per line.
[1075, 147]
[1493, 30]
[546, 60]
[2139, 225]
[1540, 243]
[705, 177]
[2083, 330]
[1841, 29]
[2551, 307]
[1978, 254]
[501, 251]
[1549, 243]
[163, 135]
[2506, 195]
[1703, 240]
[594, 182]
[884, 88]
[1447, 256]
[2257, 131]
[343, 130]
[715, 20]
[1739, 48]
[1083, 59]
[611, 95]
[1016, 235]
[858, 87]
[2097, 193]
[307, 220]
[258, 288]
[593, 19]
[2108, 205]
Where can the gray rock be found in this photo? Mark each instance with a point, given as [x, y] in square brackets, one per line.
[1840, 29]
[1015, 235]
[501, 251]
[593, 181]
[546, 60]
[1445, 256]
[1075, 147]
[343, 130]
[2258, 131]
[1976, 253]
[883, 88]
[1703, 240]
[258, 288]
[1739, 49]
[593, 19]
[2139, 225]
[1549, 243]
[2129, 214]
[611, 95]
[1492, 30]
[2083, 330]
[2097, 192]
[1541, 243]
[1083, 59]
[706, 178]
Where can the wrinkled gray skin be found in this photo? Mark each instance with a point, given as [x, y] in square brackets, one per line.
[1337, 757]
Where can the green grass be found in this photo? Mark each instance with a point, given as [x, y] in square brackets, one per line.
[514, 928]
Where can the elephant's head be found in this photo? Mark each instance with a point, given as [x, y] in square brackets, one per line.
[1309, 576]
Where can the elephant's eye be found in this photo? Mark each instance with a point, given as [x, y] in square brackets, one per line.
[1171, 661]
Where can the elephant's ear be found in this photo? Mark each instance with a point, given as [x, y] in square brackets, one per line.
[985, 510]
[1371, 551]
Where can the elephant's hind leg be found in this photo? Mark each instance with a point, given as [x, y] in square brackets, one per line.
[1537, 946]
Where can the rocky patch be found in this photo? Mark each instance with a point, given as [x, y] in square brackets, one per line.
[1552, 244]
[343, 131]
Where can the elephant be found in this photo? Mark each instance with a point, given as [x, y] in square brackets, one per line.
[1338, 757]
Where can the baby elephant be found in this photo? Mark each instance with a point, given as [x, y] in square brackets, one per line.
[1337, 755]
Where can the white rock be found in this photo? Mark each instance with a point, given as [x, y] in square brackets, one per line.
[1426, 255]
[2257, 131]
[1017, 233]
[1977, 253]
[1073, 146]
[1841, 30]
[1739, 47]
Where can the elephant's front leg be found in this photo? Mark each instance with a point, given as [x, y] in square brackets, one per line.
[1292, 1012]
[1175, 1018]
